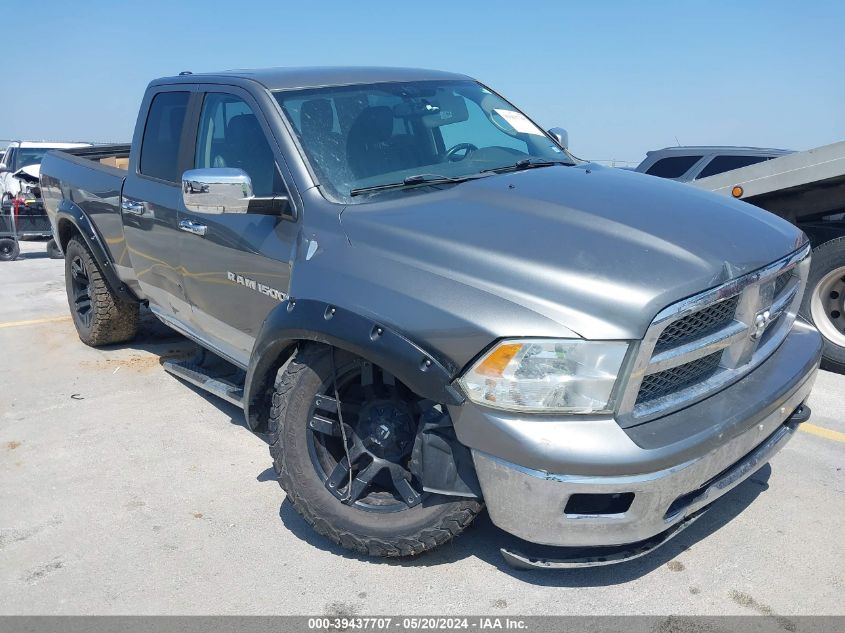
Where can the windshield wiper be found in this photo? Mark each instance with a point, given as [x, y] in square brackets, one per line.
[417, 180]
[525, 163]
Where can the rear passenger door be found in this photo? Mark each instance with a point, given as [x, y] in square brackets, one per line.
[239, 268]
[151, 199]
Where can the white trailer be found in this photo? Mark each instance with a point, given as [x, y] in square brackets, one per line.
[808, 189]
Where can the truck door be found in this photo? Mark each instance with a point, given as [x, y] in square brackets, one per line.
[150, 200]
[236, 266]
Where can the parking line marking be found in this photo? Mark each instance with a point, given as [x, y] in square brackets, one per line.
[828, 434]
[55, 319]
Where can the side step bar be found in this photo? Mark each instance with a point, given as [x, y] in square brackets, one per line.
[211, 379]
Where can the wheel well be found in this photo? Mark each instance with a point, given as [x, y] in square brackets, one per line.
[261, 397]
[296, 321]
[65, 231]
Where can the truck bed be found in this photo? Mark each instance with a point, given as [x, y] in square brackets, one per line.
[92, 177]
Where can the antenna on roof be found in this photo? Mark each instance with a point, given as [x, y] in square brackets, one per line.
[185, 72]
[676, 138]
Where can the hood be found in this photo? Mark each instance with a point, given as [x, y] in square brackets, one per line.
[28, 174]
[598, 250]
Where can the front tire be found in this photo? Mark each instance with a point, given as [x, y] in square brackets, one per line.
[824, 301]
[100, 316]
[382, 511]
[9, 249]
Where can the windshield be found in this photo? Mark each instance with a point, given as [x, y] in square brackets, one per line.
[30, 156]
[363, 136]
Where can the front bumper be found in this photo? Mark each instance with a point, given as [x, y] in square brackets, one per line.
[671, 474]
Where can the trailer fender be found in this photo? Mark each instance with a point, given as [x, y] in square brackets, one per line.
[70, 220]
[423, 371]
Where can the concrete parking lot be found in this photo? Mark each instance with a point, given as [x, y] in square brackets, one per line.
[126, 491]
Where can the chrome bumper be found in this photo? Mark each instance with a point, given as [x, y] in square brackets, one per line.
[530, 502]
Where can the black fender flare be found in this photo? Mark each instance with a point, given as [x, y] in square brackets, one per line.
[426, 373]
[69, 212]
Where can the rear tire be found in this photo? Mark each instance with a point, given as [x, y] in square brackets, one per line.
[824, 301]
[378, 524]
[9, 249]
[53, 250]
[100, 316]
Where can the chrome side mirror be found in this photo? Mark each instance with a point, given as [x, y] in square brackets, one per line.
[216, 190]
[561, 136]
[3, 167]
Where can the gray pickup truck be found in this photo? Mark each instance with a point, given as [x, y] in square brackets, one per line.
[429, 306]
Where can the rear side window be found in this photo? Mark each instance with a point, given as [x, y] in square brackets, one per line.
[726, 163]
[160, 145]
[673, 167]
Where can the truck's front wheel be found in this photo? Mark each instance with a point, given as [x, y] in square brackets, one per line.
[375, 506]
[824, 300]
[100, 316]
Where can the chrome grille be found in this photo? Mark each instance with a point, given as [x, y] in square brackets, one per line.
[700, 345]
[669, 381]
[698, 324]
[781, 281]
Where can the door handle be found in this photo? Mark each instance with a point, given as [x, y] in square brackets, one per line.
[132, 206]
[193, 227]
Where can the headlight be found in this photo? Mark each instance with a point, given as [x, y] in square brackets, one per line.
[547, 375]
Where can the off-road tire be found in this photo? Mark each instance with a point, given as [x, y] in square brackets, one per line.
[53, 250]
[113, 320]
[827, 257]
[405, 533]
[9, 249]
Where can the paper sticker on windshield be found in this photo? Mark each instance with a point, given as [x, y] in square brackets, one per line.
[519, 122]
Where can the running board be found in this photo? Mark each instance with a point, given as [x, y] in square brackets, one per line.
[205, 378]
[601, 555]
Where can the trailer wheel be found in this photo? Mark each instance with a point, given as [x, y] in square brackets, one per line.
[824, 300]
[53, 250]
[9, 249]
[100, 317]
[375, 506]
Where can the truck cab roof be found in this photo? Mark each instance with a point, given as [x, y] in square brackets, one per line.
[282, 78]
[49, 144]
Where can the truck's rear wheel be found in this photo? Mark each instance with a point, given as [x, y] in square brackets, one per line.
[381, 510]
[100, 316]
[9, 249]
[824, 300]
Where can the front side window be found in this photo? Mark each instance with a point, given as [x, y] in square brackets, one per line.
[231, 136]
[672, 167]
[375, 134]
[162, 133]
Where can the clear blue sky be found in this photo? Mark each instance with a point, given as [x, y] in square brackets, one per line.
[622, 77]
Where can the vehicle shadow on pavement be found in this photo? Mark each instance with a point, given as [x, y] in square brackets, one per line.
[30, 255]
[483, 540]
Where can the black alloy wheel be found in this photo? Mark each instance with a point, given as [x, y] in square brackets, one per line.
[362, 452]
[81, 290]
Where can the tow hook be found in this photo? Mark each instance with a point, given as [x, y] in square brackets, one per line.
[799, 416]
